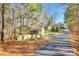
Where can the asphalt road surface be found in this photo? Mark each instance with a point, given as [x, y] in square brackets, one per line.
[60, 46]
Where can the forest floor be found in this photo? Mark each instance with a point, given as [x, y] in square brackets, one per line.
[28, 46]
[2, 53]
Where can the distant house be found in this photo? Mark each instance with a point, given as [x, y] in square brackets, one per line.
[38, 29]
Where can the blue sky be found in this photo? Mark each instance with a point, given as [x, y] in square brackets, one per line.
[56, 10]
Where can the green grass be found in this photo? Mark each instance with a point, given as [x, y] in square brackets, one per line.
[52, 33]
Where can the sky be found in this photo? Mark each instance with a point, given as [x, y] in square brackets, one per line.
[55, 10]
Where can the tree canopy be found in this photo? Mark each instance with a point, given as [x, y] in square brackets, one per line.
[71, 14]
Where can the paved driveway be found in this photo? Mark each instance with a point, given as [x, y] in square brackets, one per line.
[60, 46]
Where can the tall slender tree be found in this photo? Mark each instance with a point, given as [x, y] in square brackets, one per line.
[2, 34]
[71, 14]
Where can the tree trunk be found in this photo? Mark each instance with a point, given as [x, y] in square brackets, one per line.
[23, 20]
[20, 27]
[2, 34]
[13, 15]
